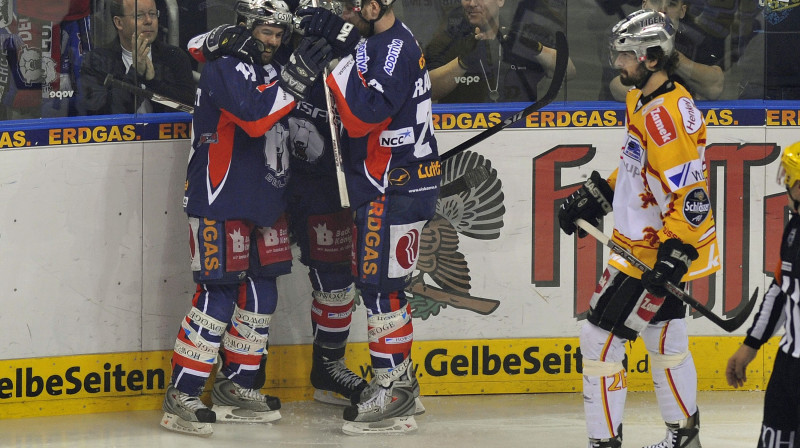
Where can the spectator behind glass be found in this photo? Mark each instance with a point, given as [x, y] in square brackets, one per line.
[700, 55]
[138, 57]
[473, 59]
[781, 43]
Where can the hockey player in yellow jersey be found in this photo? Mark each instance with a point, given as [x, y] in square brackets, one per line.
[662, 214]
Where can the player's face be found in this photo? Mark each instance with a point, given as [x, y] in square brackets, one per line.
[674, 9]
[631, 71]
[272, 37]
[482, 13]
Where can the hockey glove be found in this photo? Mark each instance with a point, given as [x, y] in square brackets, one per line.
[590, 202]
[305, 64]
[230, 40]
[342, 36]
[672, 263]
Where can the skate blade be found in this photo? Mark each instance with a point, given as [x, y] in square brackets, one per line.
[396, 425]
[326, 396]
[177, 424]
[233, 414]
[419, 409]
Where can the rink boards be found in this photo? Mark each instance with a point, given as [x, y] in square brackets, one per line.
[136, 381]
[96, 276]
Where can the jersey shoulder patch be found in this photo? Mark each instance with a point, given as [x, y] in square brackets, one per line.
[692, 118]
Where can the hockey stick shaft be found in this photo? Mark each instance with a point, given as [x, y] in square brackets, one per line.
[562, 60]
[728, 325]
[152, 96]
[344, 198]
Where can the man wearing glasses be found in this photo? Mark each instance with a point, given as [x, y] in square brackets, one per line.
[138, 57]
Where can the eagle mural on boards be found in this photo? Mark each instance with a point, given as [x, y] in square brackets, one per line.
[471, 204]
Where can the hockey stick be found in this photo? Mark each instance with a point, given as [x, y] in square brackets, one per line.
[152, 96]
[344, 198]
[562, 60]
[466, 181]
[728, 325]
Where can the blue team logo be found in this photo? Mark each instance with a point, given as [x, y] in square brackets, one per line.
[633, 150]
[696, 206]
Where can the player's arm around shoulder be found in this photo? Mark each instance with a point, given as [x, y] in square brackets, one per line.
[247, 95]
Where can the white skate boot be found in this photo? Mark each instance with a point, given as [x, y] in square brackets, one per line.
[235, 404]
[684, 434]
[334, 383]
[186, 413]
[408, 379]
[387, 410]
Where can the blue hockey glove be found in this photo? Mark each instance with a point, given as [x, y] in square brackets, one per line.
[230, 40]
[305, 64]
[341, 35]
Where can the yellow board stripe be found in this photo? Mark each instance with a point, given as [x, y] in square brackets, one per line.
[135, 381]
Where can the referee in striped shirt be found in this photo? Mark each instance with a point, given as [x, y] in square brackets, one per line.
[779, 308]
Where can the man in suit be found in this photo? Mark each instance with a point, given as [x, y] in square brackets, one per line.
[138, 57]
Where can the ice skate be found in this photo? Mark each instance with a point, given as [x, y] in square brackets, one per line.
[408, 379]
[685, 434]
[614, 442]
[186, 413]
[334, 383]
[389, 410]
[235, 404]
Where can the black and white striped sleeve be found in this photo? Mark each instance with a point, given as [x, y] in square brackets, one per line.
[769, 319]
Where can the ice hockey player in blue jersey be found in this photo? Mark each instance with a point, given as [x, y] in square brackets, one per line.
[235, 197]
[382, 94]
[317, 221]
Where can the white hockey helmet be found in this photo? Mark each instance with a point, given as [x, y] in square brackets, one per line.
[641, 30]
[265, 12]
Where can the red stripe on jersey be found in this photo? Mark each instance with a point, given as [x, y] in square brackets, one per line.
[258, 127]
[354, 125]
[378, 157]
[221, 152]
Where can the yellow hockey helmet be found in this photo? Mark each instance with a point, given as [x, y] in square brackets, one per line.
[789, 171]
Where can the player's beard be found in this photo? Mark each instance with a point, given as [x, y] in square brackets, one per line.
[266, 58]
[634, 79]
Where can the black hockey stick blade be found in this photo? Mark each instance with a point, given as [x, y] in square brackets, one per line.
[152, 96]
[728, 325]
[562, 60]
[466, 181]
